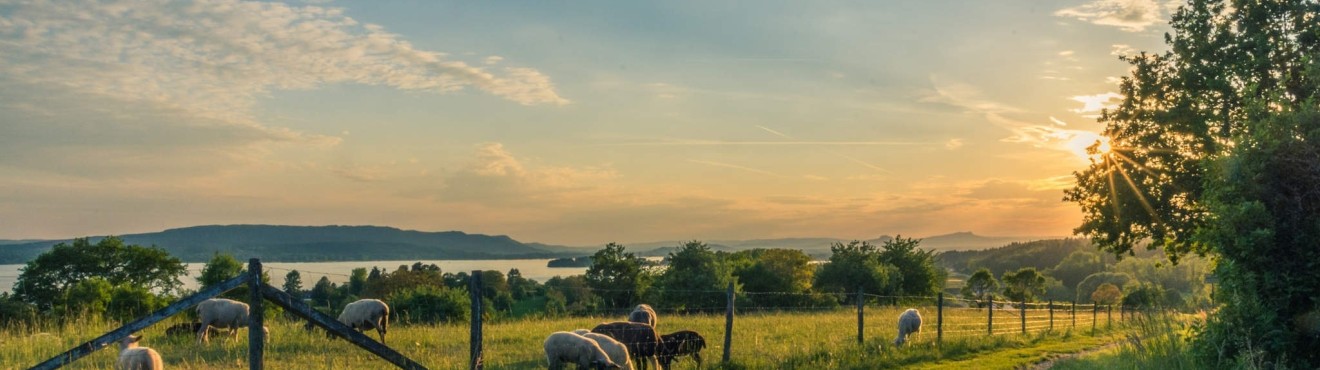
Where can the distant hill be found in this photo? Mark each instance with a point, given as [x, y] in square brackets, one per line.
[313, 243]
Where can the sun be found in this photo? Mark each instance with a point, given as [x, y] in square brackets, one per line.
[1081, 142]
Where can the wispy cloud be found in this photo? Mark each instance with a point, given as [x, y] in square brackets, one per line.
[678, 142]
[1003, 115]
[1096, 103]
[1121, 49]
[1128, 15]
[953, 144]
[734, 166]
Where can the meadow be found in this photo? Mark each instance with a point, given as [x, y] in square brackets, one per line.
[783, 340]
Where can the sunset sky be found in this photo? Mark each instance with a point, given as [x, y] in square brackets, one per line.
[567, 122]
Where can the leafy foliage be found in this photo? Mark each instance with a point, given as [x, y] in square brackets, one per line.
[1107, 294]
[618, 276]
[918, 274]
[856, 265]
[45, 281]
[786, 271]
[1023, 285]
[428, 304]
[696, 279]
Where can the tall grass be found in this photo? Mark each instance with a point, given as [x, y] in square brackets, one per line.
[1159, 341]
[780, 340]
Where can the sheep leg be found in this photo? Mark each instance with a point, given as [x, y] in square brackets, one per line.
[697, 356]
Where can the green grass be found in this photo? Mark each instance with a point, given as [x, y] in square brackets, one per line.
[782, 340]
[1158, 342]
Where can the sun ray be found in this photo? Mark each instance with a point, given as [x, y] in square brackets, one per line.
[1140, 197]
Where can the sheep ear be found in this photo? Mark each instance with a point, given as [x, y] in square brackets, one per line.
[134, 338]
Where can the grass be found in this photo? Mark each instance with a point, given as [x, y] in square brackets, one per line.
[1157, 342]
[780, 340]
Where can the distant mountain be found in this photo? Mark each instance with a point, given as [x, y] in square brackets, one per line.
[314, 243]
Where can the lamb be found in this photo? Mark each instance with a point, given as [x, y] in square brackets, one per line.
[563, 347]
[132, 357]
[643, 314]
[189, 328]
[681, 343]
[908, 322]
[367, 314]
[223, 314]
[641, 339]
[617, 351]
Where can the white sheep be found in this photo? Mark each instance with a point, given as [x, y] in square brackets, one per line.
[367, 314]
[223, 314]
[643, 314]
[132, 357]
[616, 350]
[563, 347]
[908, 322]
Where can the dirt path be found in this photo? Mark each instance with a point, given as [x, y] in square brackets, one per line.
[1049, 362]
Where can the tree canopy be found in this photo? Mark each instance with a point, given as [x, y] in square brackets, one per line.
[44, 281]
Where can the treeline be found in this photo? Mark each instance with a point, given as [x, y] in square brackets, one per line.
[126, 281]
[1073, 269]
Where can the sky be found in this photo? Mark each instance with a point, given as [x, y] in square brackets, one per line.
[565, 122]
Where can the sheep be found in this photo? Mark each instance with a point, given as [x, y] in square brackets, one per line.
[617, 351]
[223, 314]
[189, 328]
[908, 322]
[641, 339]
[564, 347]
[367, 314]
[681, 343]
[132, 357]
[643, 314]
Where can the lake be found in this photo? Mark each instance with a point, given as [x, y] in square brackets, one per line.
[338, 272]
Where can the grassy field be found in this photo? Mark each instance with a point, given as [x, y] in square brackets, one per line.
[782, 340]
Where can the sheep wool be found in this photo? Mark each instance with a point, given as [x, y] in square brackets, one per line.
[643, 314]
[132, 357]
[223, 314]
[563, 347]
[367, 314]
[681, 343]
[617, 352]
[642, 340]
[908, 322]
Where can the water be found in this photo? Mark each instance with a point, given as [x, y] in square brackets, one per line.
[338, 272]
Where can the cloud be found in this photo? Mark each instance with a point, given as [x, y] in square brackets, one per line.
[496, 177]
[736, 167]
[1096, 103]
[953, 144]
[1128, 15]
[1003, 115]
[1121, 49]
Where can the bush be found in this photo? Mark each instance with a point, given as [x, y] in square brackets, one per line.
[430, 305]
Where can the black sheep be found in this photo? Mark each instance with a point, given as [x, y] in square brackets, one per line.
[680, 343]
[642, 340]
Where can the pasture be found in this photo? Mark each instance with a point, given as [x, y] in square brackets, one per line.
[808, 339]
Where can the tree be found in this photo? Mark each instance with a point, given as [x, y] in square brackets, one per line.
[856, 265]
[920, 276]
[1093, 282]
[787, 271]
[1075, 267]
[222, 267]
[1213, 151]
[357, 281]
[1106, 294]
[696, 278]
[44, 281]
[1023, 285]
[981, 286]
[618, 276]
[323, 292]
[293, 284]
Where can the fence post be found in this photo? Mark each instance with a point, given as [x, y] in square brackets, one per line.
[256, 317]
[728, 324]
[1022, 310]
[990, 317]
[1074, 315]
[939, 319]
[1095, 311]
[474, 291]
[861, 303]
[1109, 316]
[1051, 315]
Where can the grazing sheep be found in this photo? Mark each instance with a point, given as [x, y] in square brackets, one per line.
[642, 340]
[223, 314]
[189, 328]
[908, 322]
[643, 314]
[562, 347]
[681, 343]
[617, 351]
[132, 357]
[367, 314]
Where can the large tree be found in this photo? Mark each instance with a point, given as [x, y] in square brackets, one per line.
[981, 286]
[45, 280]
[857, 265]
[695, 280]
[1213, 151]
[920, 276]
[1023, 285]
[618, 276]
